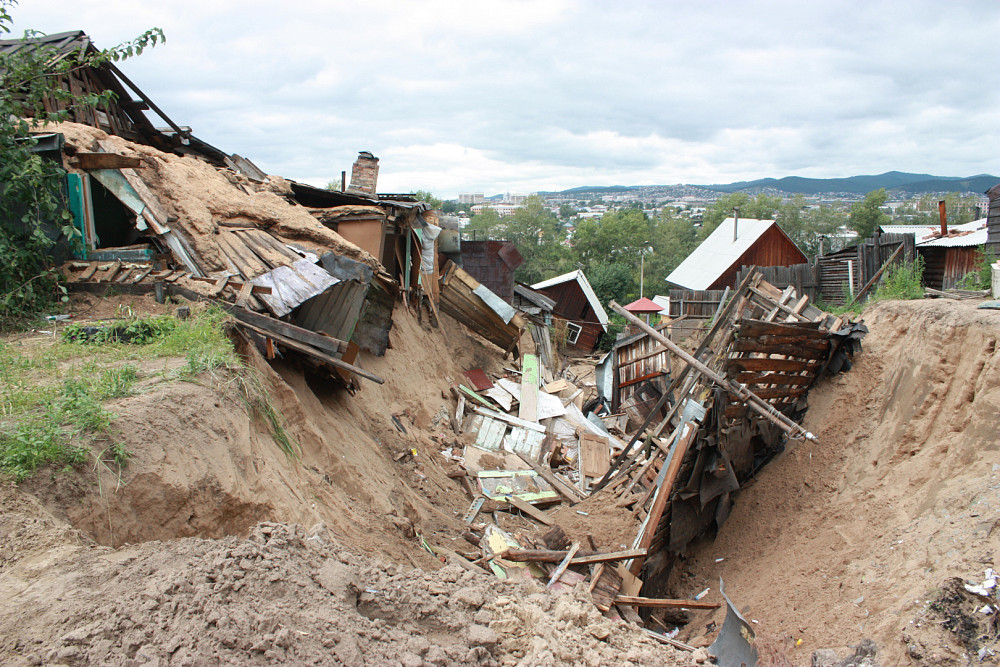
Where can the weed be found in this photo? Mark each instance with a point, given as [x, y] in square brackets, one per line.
[117, 382]
[902, 281]
[980, 278]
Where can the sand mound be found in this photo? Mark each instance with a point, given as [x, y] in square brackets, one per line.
[201, 197]
[855, 536]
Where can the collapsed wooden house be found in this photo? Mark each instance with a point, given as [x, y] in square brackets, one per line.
[577, 305]
[728, 408]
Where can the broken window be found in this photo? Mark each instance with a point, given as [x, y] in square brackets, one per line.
[572, 332]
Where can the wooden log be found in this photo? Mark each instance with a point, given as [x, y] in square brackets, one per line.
[664, 603]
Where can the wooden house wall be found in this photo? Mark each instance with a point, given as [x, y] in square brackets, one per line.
[773, 248]
[481, 259]
[945, 267]
[572, 305]
[993, 222]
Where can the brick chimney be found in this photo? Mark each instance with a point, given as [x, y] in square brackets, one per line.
[364, 175]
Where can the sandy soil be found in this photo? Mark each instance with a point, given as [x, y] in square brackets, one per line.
[859, 535]
[198, 557]
[160, 569]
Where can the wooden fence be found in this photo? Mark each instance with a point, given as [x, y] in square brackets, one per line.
[834, 277]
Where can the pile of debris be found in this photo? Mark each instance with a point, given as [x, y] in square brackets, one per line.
[545, 476]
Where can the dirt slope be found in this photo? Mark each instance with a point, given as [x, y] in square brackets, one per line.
[857, 536]
[160, 570]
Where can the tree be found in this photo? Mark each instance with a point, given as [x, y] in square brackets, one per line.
[31, 199]
[867, 215]
[621, 236]
[672, 241]
[424, 195]
[613, 281]
[761, 207]
[566, 211]
[487, 220]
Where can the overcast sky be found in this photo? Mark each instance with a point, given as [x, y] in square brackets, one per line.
[477, 96]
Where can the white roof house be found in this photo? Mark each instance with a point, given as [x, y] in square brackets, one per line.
[722, 250]
[588, 292]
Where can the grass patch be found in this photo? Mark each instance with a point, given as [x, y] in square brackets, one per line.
[52, 398]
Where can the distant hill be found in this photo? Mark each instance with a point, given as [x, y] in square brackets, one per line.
[891, 180]
[858, 185]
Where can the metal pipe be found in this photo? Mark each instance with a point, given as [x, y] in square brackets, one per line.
[736, 222]
[944, 218]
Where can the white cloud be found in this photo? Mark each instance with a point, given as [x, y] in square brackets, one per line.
[520, 95]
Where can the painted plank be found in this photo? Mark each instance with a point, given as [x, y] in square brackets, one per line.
[528, 409]
[522, 441]
[490, 434]
[510, 419]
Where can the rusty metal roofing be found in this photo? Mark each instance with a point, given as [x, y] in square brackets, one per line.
[969, 234]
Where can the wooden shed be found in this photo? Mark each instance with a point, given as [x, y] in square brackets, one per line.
[947, 258]
[735, 243]
[578, 305]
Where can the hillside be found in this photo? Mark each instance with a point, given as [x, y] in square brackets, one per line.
[857, 185]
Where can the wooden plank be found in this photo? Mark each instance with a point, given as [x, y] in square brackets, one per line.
[783, 392]
[89, 273]
[272, 325]
[490, 434]
[786, 350]
[528, 408]
[459, 414]
[774, 378]
[565, 563]
[473, 395]
[797, 330]
[83, 160]
[521, 440]
[772, 365]
[664, 603]
[245, 291]
[510, 419]
[220, 285]
[562, 488]
[530, 510]
[595, 454]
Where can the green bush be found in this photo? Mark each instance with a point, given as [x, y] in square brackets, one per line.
[981, 278]
[902, 281]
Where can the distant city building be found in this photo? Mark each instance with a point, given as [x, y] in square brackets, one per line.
[503, 210]
[471, 198]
